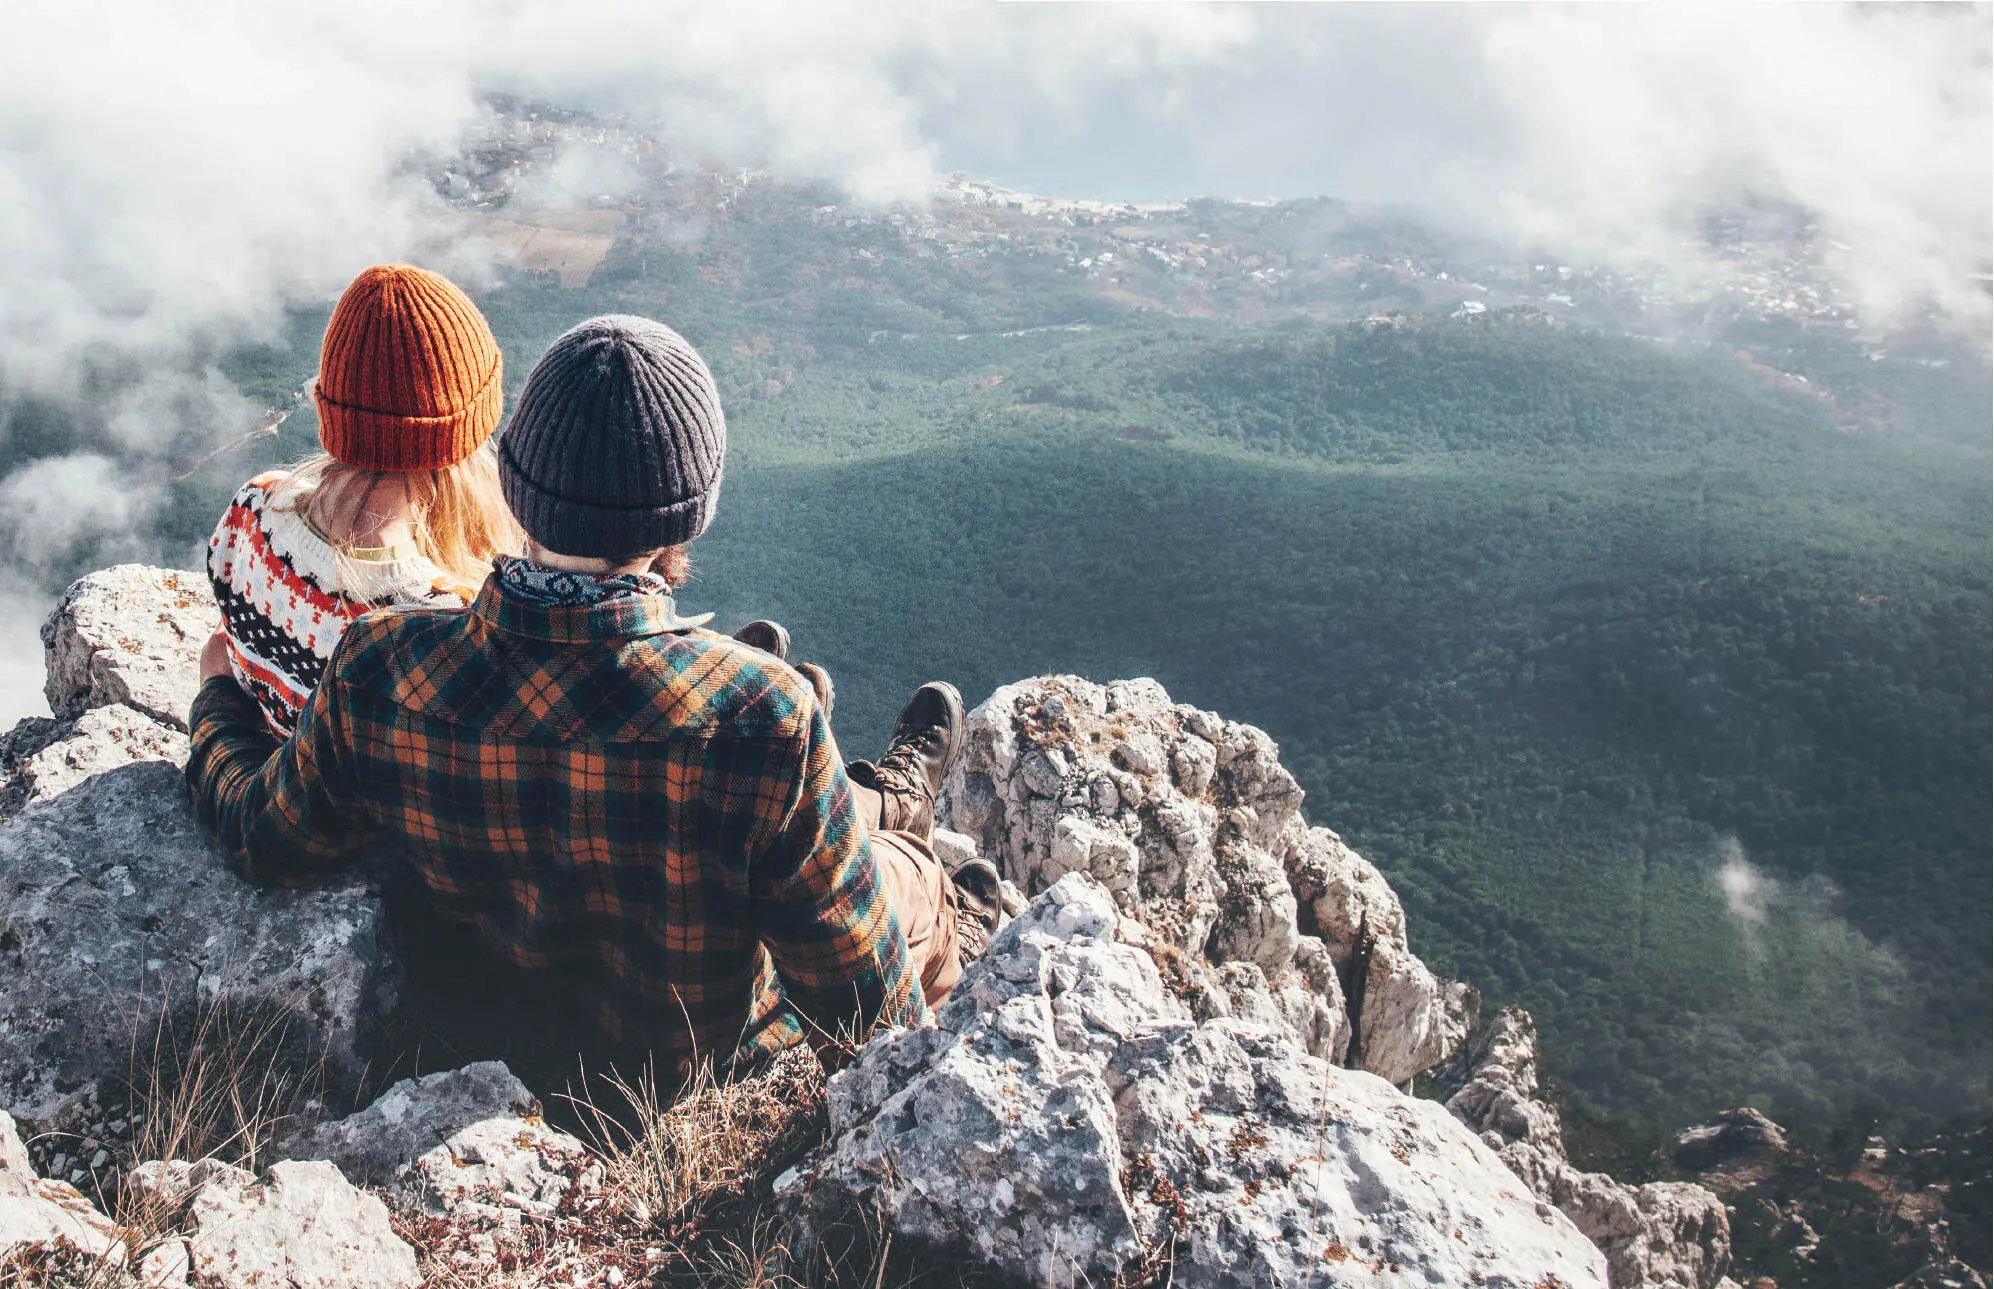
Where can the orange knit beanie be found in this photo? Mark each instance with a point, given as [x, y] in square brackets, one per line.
[409, 377]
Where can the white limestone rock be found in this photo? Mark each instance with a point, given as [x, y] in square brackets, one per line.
[301, 1226]
[497, 1168]
[1665, 1234]
[13, 1151]
[116, 904]
[375, 1145]
[43, 1213]
[465, 1142]
[1406, 1019]
[1193, 824]
[130, 634]
[43, 759]
[1068, 1117]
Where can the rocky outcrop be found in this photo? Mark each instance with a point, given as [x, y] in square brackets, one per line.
[1069, 1116]
[1670, 1234]
[124, 636]
[468, 1143]
[1183, 1054]
[42, 1218]
[1194, 826]
[42, 759]
[116, 910]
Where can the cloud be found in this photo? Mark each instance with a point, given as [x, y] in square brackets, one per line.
[169, 175]
[1596, 130]
[85, 505]
[172, 175]
[1745, 889]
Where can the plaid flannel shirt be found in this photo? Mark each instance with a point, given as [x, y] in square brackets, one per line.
[653, 811]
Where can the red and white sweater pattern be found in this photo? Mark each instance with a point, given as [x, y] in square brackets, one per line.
[287, 596]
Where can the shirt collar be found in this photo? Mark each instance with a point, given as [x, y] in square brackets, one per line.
[565, 607]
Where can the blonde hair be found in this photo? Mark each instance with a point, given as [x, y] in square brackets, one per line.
[458, 511]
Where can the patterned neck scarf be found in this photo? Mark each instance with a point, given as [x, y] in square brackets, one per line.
[556, 588]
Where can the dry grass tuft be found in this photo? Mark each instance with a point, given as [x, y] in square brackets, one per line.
[685, 1202]
[62, 1267]
[675, 1162]
[221, 1083]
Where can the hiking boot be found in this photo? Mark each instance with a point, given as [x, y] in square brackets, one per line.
[979, 907]
[925, 742]
[769, 637]
[820, 680]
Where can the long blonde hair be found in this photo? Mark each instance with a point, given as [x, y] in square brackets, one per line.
[458, 512]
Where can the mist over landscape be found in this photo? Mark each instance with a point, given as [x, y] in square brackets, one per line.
[1565, 430]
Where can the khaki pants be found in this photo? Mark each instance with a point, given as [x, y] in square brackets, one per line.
[922, 896]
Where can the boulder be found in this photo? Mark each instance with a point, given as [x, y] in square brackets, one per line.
[1195, 827]
[41, 759]
[43, 1215]
[1404, 1019]
[375, 1146]
[500, 1169]
[131, 635]
[117, 910]
[467, 1142]
[1738, 1149]
[1670, 1234]
[301, 1226]
[1068, 1116]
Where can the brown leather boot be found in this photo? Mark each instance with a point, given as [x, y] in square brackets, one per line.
[979, 907]
[769, 637]
[926, 740]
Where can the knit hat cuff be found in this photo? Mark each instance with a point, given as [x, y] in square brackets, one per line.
[372, 440]
[582, 528]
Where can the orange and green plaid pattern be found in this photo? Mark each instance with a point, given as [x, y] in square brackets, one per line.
[651, 810]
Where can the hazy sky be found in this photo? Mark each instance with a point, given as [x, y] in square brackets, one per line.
[172, 173]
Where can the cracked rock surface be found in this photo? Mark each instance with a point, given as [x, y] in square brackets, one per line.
[124, 635]
[1192, 824]
[468, 1142]
[115, 909]
[1673, 1234]
[1069, 1116]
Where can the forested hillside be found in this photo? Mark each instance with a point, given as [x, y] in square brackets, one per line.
[1659, 690]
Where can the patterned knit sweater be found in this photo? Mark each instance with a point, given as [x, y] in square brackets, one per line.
[287, 596]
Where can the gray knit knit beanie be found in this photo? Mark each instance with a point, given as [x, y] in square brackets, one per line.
[618, 442]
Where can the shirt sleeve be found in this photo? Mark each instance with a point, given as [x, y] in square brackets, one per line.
[284, 813]
[822, 910]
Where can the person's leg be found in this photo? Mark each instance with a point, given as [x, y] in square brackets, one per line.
[908, 778]
[925, 902]
[865, 797]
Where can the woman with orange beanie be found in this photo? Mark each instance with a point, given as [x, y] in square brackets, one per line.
[403, 506]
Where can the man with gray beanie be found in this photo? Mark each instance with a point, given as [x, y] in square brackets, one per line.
[646, 819]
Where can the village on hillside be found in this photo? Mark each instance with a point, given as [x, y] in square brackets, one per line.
[551, 190]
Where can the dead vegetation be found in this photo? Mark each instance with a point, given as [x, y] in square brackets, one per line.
[685, 1203]
[685, 1200]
